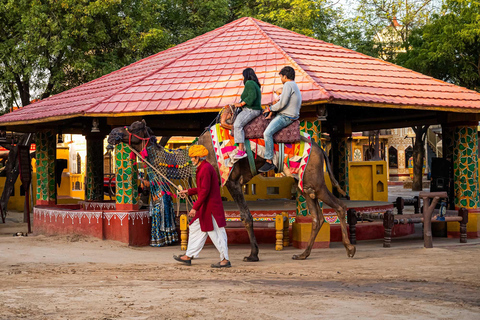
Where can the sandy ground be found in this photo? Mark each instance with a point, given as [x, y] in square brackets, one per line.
[76, 277]
[85, 278]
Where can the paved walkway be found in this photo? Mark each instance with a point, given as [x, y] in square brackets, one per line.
[399, 191]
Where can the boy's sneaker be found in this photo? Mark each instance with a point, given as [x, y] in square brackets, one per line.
[240, 155]
[267, 167]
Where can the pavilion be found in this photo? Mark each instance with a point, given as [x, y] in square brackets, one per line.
[179, 91]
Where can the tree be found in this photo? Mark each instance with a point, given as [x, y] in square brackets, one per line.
[314, 18]
[49, 46]
[418, 156]
[392, 21]
[186, 19]
[448, 48]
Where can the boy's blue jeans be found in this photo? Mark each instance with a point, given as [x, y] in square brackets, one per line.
[278, 123]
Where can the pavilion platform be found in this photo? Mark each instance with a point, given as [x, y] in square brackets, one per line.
[101, 220]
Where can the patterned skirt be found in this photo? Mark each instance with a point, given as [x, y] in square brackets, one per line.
[163, 222]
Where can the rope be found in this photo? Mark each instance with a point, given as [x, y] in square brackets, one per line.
[159, 173]
[183, 196]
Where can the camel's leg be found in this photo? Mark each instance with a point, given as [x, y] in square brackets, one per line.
[317, 222]
[235, 190]
[329, 199]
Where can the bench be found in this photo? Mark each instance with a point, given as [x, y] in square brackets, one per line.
[400, 204]
[430, 215]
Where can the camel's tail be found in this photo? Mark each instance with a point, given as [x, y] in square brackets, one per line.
[330, 174]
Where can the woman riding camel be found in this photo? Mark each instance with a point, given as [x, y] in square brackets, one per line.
[252, 108]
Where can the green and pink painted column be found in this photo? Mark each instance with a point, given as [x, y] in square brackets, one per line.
[126, 178]
[460, 145]
[313, 127]
[46, 154]
[302, 227]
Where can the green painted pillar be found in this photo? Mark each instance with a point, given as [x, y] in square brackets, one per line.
[313, 127]
[126, 178]
[46, 154]
[302, 226]
[465, 166]
[94, 168]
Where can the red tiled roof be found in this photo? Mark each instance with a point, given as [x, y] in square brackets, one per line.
[205, 73]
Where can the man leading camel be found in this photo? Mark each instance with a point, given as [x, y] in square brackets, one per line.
[208, 215]
[288, 108]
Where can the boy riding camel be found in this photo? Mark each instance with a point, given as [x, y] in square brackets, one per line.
[287, 109]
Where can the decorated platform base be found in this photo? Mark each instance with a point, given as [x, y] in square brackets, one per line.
[100, 220]
[264, 212]
[473, 226]
[302, 231]
[132, 227]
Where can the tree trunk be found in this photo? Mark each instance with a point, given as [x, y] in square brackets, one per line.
[12, 172]
[418, 156]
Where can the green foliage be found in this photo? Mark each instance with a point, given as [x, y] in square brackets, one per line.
[448, 48]
[351, 34]
[387, 24]
[186, 19]
[50, 46]
[314, 18]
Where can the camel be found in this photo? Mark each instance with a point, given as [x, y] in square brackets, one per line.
[315, 188]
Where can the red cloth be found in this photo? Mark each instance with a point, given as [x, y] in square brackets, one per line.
[209, 202]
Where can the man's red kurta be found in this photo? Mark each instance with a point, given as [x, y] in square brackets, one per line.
[209, 201]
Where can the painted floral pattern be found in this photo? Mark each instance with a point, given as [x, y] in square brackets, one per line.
[45, 156]
[126, 176]
[465, 167]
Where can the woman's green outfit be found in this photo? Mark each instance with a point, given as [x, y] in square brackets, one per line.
[252, 96]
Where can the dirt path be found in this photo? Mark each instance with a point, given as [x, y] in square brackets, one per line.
[85, 278]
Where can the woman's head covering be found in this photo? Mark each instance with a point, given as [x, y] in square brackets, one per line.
[198, 151]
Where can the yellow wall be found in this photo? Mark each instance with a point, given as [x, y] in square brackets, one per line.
[17, 202]
[262, 187]
[368, 180]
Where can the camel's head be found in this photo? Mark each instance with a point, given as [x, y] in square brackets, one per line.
[136, 135]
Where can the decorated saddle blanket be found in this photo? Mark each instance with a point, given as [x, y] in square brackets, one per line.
[255, 129]
[289, 158]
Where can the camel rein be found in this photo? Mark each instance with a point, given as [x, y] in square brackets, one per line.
[178, 188]
[130, 134]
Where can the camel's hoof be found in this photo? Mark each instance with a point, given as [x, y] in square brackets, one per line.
[300, 257]
[251, 259]
[351, 251]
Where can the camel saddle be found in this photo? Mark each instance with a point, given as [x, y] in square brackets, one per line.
[255, 129]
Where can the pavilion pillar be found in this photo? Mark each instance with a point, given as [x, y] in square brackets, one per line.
[447, 142]
[313, 127]
[126, 170]
[46, 154]
[465, 166]
[340, 157]
[302, 227]
[94, 168]
[464, 156]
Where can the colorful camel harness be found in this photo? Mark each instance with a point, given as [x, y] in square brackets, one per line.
[289, 158]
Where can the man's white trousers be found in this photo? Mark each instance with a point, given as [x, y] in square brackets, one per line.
[197, 238]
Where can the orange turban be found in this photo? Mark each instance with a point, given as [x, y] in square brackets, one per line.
[197, 151]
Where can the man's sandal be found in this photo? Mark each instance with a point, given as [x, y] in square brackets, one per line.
[219, 265]
[179, 259]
